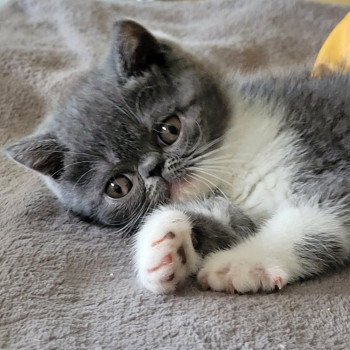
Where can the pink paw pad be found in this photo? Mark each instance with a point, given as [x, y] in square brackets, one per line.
[169, 235]
[168, 259]
[165, 255]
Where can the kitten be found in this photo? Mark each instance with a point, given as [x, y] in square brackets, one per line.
[247, 187]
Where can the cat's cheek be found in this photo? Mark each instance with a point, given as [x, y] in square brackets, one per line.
[187, 189]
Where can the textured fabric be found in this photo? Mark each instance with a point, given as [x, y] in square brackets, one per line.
[66, 284]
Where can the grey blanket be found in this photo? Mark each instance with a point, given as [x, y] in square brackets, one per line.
[66, 284]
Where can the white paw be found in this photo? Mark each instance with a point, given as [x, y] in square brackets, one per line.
[164, 251]
[231, 272]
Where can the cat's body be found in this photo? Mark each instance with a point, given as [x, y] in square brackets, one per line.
[285, 163]
[294, 144]
[253, 181]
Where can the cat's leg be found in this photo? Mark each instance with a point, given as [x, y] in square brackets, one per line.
[165, 254]
[171, 244]
[296, 242]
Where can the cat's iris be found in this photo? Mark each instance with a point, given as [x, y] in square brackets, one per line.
[118, 187]
[169, 130]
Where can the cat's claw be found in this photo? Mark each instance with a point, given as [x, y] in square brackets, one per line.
[165, 255]
[222, 271]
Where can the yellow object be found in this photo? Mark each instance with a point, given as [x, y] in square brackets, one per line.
[334, 55]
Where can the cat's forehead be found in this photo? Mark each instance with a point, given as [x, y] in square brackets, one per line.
[104, 115]
[97, 106]
[97, 121]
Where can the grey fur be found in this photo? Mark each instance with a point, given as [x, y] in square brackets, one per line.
[212, 232]
[323, 248]
[106, 122]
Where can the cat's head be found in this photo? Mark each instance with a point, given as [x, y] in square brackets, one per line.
[130, 132]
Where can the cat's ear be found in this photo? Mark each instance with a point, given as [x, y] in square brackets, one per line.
[41, 153]
[134, 49]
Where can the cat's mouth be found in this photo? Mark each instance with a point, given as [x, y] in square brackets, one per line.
[176, 189]
[172, 188]
[184, 188]
[188, 187]
[181, 188]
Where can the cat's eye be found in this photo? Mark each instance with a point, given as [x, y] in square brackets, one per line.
[118, 187]
[169, 130]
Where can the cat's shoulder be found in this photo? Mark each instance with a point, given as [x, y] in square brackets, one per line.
[296, 86]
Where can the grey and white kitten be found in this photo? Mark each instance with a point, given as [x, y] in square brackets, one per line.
[248, 188]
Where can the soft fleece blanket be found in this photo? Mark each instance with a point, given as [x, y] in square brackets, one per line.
[66, 284]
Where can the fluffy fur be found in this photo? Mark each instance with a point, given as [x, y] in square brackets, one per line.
[255, 191]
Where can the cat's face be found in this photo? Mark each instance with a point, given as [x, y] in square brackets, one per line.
[130, 133]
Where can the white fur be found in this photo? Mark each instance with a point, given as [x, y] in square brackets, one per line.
[268, 259]
[255, 166]
[149, 255]
[258, 179]
[262, 162]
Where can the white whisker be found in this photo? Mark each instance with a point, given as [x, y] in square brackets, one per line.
[68, 165]
[211, 183]
[214, 176]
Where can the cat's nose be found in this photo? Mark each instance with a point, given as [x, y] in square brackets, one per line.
[151, 165]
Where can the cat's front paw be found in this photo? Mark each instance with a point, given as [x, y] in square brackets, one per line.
[230, 272]
[165, 255]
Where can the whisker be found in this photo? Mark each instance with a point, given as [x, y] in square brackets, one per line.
[129, 109]
[81, 177]
[130, 216]
[212, 184]
[194, 176]
[202, 149]
[207, 158]
[199, 140]
[214, 166]
[138, 97]
[226, 160]
[126, 229]
[223, 171]
[209, 154]
[215, 177]
[70, 152]
[93, 168]
[68, 165]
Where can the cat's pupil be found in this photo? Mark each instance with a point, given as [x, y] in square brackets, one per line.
[173, 130]
[117, 188]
